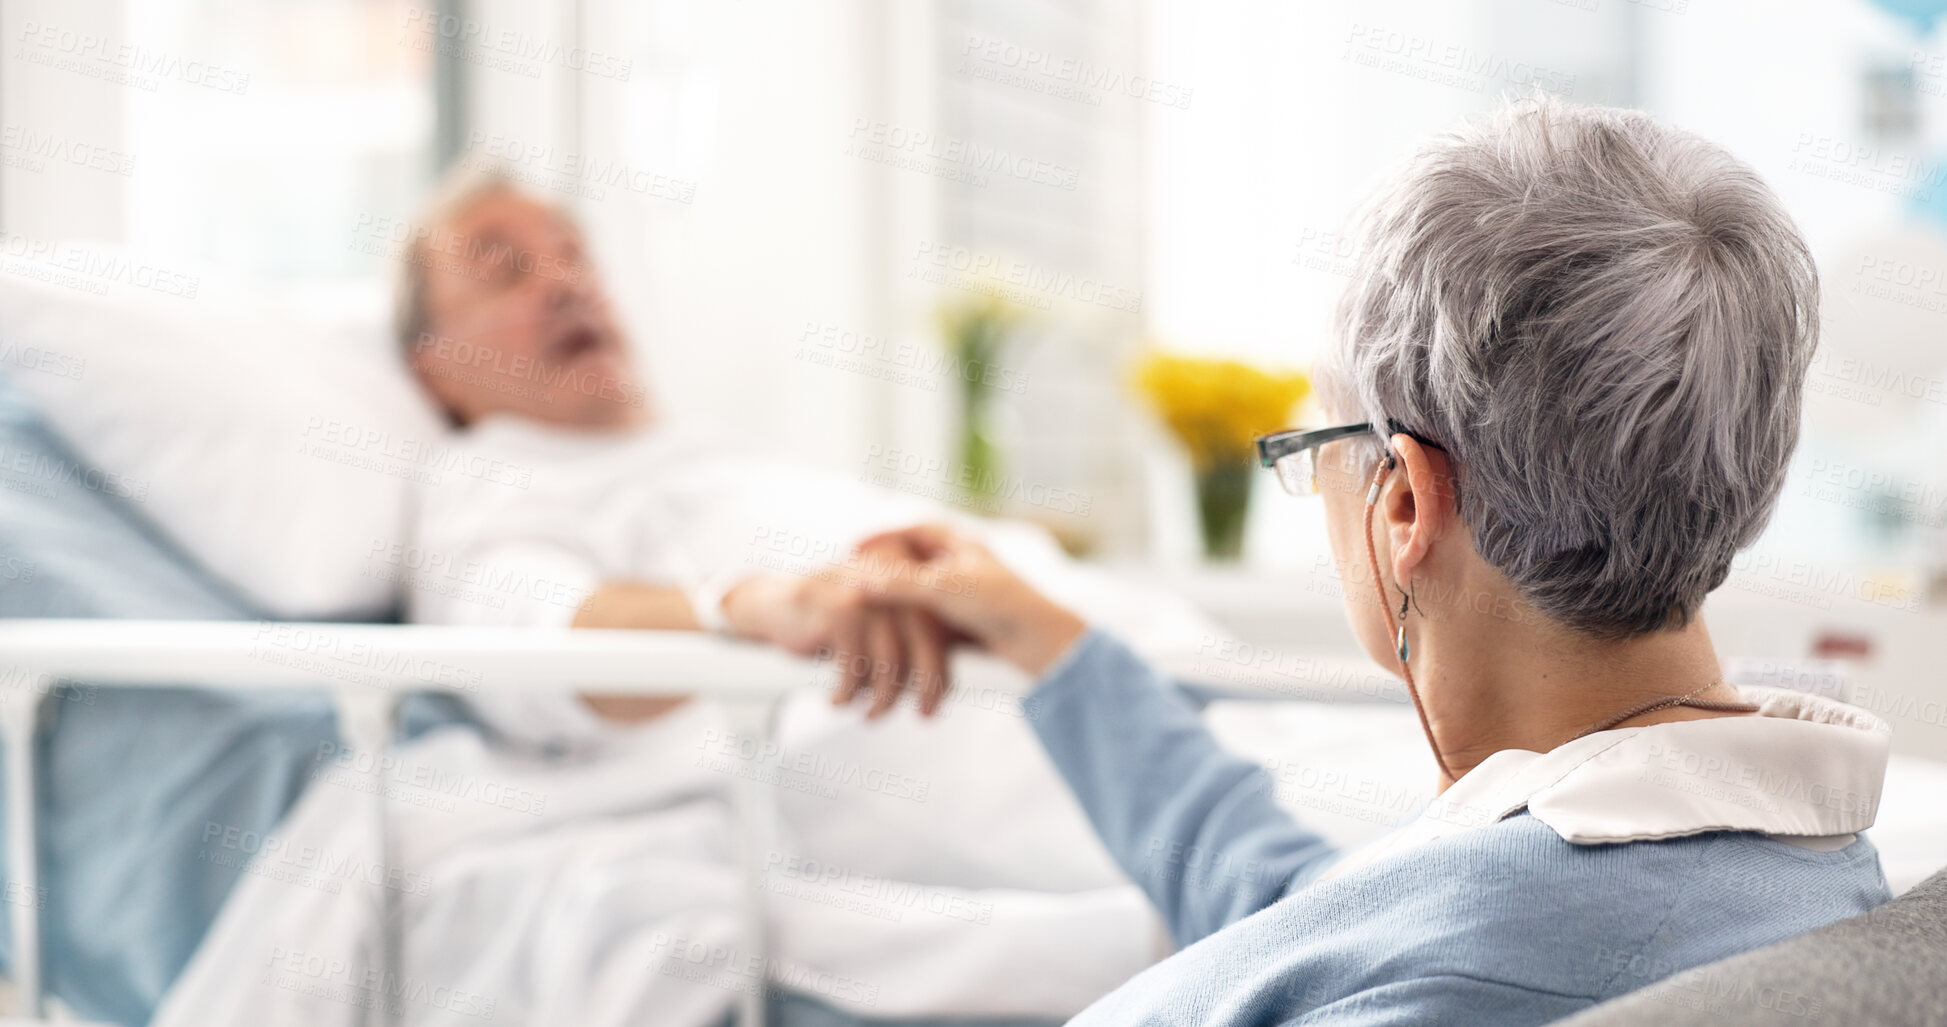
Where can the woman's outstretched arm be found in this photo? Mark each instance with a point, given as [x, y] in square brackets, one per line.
[1198, 827]
[1195, 825]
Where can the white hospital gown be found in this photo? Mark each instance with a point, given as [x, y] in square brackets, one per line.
[531, 518]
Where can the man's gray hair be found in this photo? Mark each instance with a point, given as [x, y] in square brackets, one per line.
[1606, 323]
[462, 187]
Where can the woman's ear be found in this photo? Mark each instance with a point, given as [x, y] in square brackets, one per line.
[1418, 505]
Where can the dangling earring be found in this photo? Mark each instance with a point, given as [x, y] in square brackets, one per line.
[1399, 641]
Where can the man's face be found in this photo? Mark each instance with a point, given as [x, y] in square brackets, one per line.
[517, 322]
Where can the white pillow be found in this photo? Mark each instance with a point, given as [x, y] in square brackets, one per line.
[276, 447]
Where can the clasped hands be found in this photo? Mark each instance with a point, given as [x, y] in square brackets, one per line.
[892, 614]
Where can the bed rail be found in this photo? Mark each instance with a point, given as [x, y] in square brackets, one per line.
[260, 654]
[367, 668]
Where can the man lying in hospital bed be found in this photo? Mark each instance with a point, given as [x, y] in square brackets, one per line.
[596, 896]
[618, 520]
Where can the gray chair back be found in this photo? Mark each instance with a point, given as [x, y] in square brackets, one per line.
[1888, 966]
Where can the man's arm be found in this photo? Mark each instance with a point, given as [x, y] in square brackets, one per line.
[878, 649]
[628, 604]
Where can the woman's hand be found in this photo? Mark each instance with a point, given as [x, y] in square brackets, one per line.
[934, 568]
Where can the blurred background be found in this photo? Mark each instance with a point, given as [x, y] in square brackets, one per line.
[814, 216]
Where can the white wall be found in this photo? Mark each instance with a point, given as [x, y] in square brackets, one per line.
[39, 102]
[755, 223]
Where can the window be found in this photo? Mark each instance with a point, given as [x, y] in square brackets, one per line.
[289, 141]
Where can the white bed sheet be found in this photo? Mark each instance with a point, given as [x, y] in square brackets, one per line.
[606, 891]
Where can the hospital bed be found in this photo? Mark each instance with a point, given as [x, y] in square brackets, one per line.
[84, 581]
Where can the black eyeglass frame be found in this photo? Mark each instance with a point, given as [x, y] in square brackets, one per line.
[1280, 444]
[1291, 441]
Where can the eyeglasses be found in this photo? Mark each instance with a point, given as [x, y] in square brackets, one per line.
[1293, 453]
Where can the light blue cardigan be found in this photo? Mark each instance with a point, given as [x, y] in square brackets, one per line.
[1504, 924]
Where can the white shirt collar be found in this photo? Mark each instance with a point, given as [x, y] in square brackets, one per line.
[1802, 767]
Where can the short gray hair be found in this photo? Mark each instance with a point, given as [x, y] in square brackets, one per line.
[463, 185]
[1606, 323]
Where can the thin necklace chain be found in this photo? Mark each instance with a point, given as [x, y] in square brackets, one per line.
[1667, 702]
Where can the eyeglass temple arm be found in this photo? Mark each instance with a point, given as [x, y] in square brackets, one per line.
[1274, 447]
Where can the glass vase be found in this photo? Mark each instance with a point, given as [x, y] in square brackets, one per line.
[1223, 501]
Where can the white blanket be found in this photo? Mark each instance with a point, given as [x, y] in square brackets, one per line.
[606, 891]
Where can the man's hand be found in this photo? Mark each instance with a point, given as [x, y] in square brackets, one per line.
[975, 594]
[879, 646]
[951, 577]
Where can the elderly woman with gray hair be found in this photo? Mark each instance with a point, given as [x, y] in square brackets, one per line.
[1570, 362]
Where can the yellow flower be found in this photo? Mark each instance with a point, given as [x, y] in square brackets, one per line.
[1216, 407]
